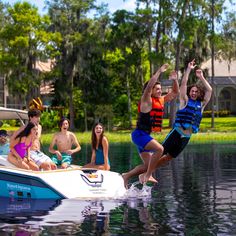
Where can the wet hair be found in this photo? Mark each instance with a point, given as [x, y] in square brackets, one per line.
[34, 112]
[61, 122]
[200, 90]
[94, 138]
[146, 83]
[26, 131]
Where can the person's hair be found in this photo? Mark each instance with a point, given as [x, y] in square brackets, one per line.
[61, 122]
[200, 90]
[34, 112]
[146, 83]
[94, 138]
[26, 131]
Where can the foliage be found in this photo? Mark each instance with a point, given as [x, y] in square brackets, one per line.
[101, 63]
[223, 113]
[50, 119]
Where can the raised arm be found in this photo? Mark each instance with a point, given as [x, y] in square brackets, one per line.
[146, 100]
[208, 88]
[175, 87]
[183, 87]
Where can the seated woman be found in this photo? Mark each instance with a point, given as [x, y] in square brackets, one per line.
[99, 159]
[19, 154]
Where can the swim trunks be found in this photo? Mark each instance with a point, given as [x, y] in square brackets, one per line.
[39, 157]
[141, 138]
[66, 158]
[175, 142]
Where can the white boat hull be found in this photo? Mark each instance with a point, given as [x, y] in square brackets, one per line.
[74, 182]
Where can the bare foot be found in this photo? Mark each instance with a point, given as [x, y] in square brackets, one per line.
[142, 178]
[125, 180]
[152, 179]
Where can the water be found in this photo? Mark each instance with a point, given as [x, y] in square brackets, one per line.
[196, 195]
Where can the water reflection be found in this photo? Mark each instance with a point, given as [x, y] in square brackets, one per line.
[196, 195]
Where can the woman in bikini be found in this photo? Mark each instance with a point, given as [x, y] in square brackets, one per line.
[19, 154]
[100, 145]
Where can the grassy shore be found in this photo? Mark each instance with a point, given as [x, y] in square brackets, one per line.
[224, 131]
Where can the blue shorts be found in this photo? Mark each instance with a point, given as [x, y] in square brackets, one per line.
[66, 158]
[141, 138]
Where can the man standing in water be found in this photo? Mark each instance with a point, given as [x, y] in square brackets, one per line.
[151, 109]
[188, 118]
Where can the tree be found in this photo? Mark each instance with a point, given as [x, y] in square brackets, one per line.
[25, 40]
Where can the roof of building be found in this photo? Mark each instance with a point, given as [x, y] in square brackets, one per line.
[222, 68]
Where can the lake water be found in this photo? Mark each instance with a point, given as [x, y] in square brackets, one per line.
[196, 195]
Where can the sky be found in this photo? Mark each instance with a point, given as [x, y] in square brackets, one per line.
[113, 5]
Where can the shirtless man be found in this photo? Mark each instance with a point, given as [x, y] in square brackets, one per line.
[42, 161]
[64, 141]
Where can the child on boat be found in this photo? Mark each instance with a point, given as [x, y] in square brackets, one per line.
[19, 154]
[4, 143]
[100, 146]
[64, 142]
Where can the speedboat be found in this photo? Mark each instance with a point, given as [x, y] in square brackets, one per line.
[73, 182]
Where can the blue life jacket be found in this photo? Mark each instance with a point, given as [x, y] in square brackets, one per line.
[189, 116]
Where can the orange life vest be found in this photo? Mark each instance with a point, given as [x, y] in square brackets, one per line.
[154, 117]
[157, 113]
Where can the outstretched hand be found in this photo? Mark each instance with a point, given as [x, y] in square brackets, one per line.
[173, 75]
[199, 73]
[164, 67]
[191, 64]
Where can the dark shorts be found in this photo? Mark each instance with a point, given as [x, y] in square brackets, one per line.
[141, 138]
[175, 142]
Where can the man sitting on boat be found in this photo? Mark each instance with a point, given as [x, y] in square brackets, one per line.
[64, 141]
[4, 142]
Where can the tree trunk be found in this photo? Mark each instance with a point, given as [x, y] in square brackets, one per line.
[178, 51]
[129, 101]
[85, 118]
[212, 64]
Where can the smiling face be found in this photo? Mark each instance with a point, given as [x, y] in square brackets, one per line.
[156, 91]
[98, 129]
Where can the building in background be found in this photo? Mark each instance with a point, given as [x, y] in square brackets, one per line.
[45, 91]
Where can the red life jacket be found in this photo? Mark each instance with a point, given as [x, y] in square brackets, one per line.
[155, 115]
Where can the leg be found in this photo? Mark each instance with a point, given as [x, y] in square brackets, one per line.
[145, 156]
[64, 165]
[158, 148]
[53, 166]
[45, 166]
[31, 165]
[17, 162]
